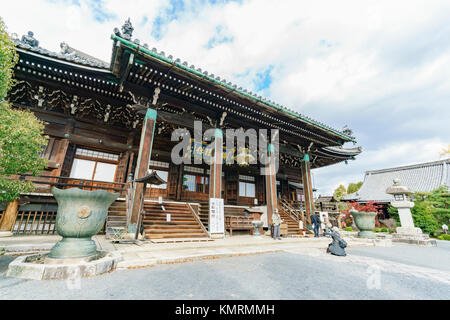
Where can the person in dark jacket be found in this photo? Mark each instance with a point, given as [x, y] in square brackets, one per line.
[316, 222]
[337, 247]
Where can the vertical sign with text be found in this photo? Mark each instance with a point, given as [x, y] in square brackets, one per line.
[216, 216]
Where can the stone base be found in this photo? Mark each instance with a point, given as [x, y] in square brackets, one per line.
[409, 231]
[217, 236]
[20, 268]
[49, 260]
[4, 234]
[413, 238]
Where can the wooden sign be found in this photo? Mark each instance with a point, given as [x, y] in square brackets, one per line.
[216, 216]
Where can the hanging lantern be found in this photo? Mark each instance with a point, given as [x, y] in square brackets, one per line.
[244, 157]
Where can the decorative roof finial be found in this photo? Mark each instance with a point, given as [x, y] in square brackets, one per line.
[346, 130]
[127, 30]
[30, 40]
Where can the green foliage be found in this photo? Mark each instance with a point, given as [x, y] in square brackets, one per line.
[439, 200]
[8, 59]
[342, 206]
[353, 187]
[393, 212]
[444, 237]
[340, 192]
[21, 133]
[384, 230]
[423, 217]
[348, 229]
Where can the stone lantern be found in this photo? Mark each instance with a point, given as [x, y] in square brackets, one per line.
[407, 233]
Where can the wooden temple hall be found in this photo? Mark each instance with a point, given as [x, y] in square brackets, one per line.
[110, 126]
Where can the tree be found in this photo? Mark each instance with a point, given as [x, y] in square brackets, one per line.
[353, 187]
[340, 192]
[21, 133]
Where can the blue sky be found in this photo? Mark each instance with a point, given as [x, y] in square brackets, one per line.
[380, 67]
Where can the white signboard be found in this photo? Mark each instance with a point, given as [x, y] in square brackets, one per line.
[216, 216]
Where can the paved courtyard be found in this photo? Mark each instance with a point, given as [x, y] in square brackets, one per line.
[398, 272]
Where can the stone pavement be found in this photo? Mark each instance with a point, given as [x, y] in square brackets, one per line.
[150, 254]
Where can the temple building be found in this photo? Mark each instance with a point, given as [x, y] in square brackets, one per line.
[110, 126]
[421, 177]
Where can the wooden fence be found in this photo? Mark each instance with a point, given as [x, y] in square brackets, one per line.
[35, 222]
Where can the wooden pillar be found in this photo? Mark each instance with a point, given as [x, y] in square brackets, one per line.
[271, 184]
[307, 187]
[215, 172]
[64, 145]
[143, 161]
[180, 182]
[9, 216]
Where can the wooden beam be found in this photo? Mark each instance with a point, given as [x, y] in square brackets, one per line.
[307, 187]
[271, 184]
[9, 216]
[143, 161]
[215, 172]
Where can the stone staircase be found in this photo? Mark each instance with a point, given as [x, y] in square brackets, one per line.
[183, 222]
[293, 216]
[293, 225]
[117, 216]
[203, 213]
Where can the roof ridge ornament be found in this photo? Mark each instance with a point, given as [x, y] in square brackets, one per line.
[127, 30]
[346, 130]
[30, 40]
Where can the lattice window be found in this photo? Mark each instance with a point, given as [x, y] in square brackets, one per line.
[159, 164]
[194, 169]
[247, 178]
[97, 154]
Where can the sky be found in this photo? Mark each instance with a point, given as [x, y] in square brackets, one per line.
[380, 67]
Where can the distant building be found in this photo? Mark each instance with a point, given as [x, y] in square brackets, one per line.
[422, 177]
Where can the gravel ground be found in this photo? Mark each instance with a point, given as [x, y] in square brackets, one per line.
[400, 272]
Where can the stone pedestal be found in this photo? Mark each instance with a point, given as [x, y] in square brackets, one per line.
[413, 235]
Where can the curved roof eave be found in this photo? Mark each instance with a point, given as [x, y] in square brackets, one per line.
[191, 72]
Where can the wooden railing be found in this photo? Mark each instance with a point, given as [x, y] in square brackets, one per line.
[35, 222]
[318, 206]
[238, 223]
[197, 218]
[295, 214]
[326, 206]
[66, 182]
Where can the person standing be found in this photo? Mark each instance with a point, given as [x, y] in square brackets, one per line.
[276, 222]
[445, 228]
[316, 222]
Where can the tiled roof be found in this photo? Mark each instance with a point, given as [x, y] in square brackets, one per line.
[69, 57]
[423, 177]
